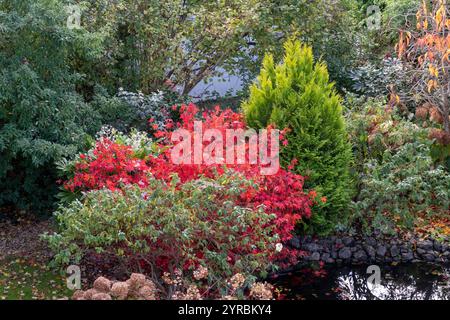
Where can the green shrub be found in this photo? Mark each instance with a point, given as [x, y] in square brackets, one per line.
[156, 106]
[374, 128]
[42, 117]
[296, 94]
[397, 177]
[47, 109]
[168, 227]
[402, 186]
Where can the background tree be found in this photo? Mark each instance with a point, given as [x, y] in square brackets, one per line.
[426, 50]
[149, 42]
[43, 116]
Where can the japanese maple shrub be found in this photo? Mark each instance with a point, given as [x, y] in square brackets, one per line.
[296, 94]
[115, 164]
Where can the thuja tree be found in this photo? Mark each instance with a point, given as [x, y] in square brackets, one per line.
[42, 117]
[426, 50]
[297, 94]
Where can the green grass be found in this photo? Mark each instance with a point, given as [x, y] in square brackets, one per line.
[24, 280]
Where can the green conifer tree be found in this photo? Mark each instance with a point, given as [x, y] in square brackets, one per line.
[297, 94]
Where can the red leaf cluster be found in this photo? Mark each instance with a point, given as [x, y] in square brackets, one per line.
[114, 165]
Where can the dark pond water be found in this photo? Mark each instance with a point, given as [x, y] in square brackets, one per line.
[401, 282]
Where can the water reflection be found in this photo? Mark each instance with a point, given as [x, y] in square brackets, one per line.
[403, 282]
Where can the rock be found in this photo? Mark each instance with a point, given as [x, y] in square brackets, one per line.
[311, 247]
[345, 253]
[348, 241]
[360, 255]
[381, 251]
[421, 251]
[394, 251]
[295, 243]
[325, 256]
[371, 241]
[407, 256]
[102, 285]
[329, 260]
[334, 254]
[429, 257]
[437, 246]
[339, 242]
[315, 256]
[370, 251]
[325, 242]
[426, 245]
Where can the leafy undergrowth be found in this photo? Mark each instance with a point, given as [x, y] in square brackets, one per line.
[27, 280]
[437, 227]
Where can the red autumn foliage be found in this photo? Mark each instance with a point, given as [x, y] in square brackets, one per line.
[113, 165]
[110, 166]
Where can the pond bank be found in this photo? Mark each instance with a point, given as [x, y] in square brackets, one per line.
[356, 250]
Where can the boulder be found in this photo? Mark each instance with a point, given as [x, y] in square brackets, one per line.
[345, 253]
[381, 250]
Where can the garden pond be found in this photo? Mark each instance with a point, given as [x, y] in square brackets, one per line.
[397, 282]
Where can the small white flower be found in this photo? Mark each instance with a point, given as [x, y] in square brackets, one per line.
[278, 247]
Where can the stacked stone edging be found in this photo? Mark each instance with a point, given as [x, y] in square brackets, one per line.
[372, 249]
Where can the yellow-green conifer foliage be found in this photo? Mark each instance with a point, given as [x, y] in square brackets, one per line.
[297, 94]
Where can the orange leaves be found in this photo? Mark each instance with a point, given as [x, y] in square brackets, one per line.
[445, 57]
[424, 8]
[394, 99]
[440, 17]
[433, 71]
[403, 43]
[432, 84]
[400, 47]
[429, 56]
[433, 225]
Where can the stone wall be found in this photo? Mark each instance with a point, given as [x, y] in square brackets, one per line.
[372, 249]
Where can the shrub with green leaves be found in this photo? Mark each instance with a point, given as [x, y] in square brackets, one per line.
[402, 186]
[165, 227]
[42, 117]
[156, 106]
[375, 128]
[297, 94]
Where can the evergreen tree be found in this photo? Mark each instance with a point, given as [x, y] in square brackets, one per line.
[297, 94]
